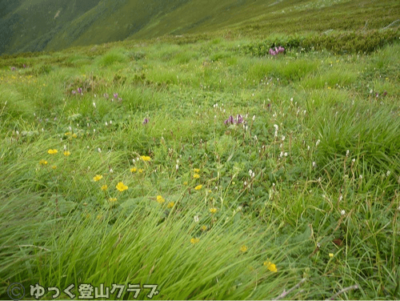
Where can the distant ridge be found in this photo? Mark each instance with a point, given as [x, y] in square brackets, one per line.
[36, 25]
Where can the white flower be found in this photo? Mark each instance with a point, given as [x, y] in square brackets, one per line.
[361, 176]
[255, 137]
[347, 153]
[250, 172]
[177, 166]
[388, 173]
[283, 138]
[245, 183]
[65, 147]
[286, 154]
[94, 104]
[17, 132]
[196, 219]
[254, 117]
[314, 164]
[133, 160]
[240, 208]
[106, 123]
[342, 212]
[99, 150]
[111, 170]
[316, 144]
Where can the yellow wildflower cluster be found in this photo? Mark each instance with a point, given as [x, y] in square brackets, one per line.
[270, 266]
[244, 248]
[145, 158]
[195, 240]
[160, 199]
[52, 151]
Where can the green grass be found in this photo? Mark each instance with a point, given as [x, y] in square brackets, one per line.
[324, 149]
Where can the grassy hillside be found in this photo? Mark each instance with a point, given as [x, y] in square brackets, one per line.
[35, 25]
[127, 163]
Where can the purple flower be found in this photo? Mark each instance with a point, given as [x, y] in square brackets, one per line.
[377, 95]
[80, 90]
[24, 66]
[281, 49]
[73, 92]
[13, 68]
[239, 118]
[115, 95]
[145, 121]
[271, 52]
[384, 94]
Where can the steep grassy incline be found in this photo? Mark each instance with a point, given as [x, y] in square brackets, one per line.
[34, 25]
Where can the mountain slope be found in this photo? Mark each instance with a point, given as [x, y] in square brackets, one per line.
[34, 25]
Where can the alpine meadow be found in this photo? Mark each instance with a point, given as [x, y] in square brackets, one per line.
[187, 149]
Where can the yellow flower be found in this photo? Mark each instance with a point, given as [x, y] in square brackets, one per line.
[112, 200]
[213, 210]
[52, 151]
[133, 169]
[68, 133]
[145, 158]
[54, 167]
[195, 240]
[43, 162]
[203, 228]
[141, 170]
[196, 170]
[104, 187]
[243, 248]
[331, 255]
[198, 187]
[67, 153]
[74, 135]
[97, 178]
[270, 266]
[196, 176]
[170, 204]
[121, 187]
[160, 199]
[185, 183]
